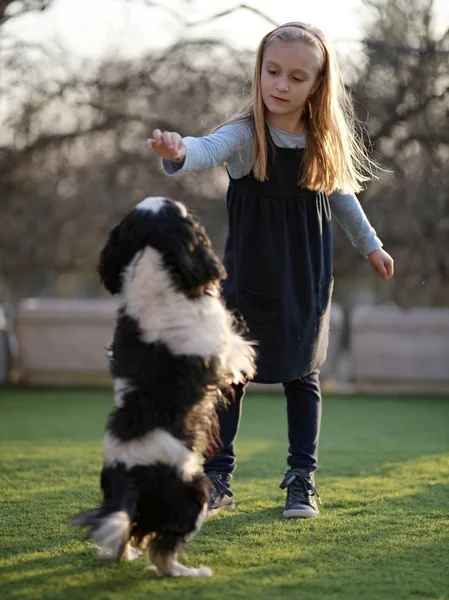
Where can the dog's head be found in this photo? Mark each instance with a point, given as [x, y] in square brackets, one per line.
[165, 226]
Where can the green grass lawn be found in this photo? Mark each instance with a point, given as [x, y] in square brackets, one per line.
[382, 534]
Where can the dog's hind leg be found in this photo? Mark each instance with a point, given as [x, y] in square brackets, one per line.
[167, 565]
[163, 553]
[179, 570]
[131, 553]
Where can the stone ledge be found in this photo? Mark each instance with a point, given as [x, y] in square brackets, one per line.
[60, 339]
[390, 345]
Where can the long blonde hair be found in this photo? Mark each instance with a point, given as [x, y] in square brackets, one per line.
[335, 157]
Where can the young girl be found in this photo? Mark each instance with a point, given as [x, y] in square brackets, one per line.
[293, 158]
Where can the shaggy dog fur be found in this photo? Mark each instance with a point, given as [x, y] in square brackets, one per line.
[175, 349]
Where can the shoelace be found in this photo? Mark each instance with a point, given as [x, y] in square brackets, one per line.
[221, 486]
[299, 486]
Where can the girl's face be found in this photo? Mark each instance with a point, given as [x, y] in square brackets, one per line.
[288, 76]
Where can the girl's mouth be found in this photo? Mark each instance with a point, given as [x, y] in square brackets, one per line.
[279, 99]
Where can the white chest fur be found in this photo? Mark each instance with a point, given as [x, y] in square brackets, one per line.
[200, 326]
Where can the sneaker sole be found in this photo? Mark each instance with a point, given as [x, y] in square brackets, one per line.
[300, 514]
[214, 511]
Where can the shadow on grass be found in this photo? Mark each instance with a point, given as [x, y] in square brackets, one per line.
[271, 463]
[380, 534]
[357, 436]
[394, 554]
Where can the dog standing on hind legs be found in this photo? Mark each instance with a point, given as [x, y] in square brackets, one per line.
[175, 348]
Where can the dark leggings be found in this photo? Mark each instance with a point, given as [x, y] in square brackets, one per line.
[303, 418]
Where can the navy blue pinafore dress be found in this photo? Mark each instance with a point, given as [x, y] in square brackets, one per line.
[278, 256]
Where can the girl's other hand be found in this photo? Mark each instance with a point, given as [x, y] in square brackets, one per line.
[382, 263]
[168, 145]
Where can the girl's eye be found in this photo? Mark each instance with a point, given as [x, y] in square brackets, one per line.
[298, 79]
[271, 72]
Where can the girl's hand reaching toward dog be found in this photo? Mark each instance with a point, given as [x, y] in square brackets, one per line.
[168, 145]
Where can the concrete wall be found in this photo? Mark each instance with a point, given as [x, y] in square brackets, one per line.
[63, 341]
[404, 347]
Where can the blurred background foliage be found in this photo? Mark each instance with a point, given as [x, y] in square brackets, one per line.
[73, 157]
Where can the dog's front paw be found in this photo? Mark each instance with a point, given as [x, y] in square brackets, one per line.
[179, 570]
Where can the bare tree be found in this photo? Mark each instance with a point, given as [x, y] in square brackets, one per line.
[72, 154]
[74, 157]
[20, 7]
[404, 90]
[180, 16]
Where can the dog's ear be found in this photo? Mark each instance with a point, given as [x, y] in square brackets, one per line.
[111, 262]
[197, 262]
[199, 266]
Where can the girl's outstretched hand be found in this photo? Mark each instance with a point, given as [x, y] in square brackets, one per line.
[168, 145]
[382, 263]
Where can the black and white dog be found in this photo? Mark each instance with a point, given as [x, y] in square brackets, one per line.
[175, 347]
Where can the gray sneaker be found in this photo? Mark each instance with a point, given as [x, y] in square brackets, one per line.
[300, 502]
[221, 496]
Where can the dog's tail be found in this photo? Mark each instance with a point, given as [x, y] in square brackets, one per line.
[109, 530]
[110, 525]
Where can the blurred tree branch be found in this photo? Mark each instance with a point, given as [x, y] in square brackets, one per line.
[404, 88]
[20, 7]
[73, 159]
[180, 17]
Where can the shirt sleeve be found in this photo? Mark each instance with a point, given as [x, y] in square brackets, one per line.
[211, 150]
[350, 216]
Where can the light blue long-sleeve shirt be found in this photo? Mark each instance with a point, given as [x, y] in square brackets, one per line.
[233, 144]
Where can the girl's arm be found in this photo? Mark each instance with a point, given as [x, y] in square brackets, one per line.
[350, 215]
[180, 155]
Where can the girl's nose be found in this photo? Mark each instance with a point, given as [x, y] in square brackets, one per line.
[282, 86]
